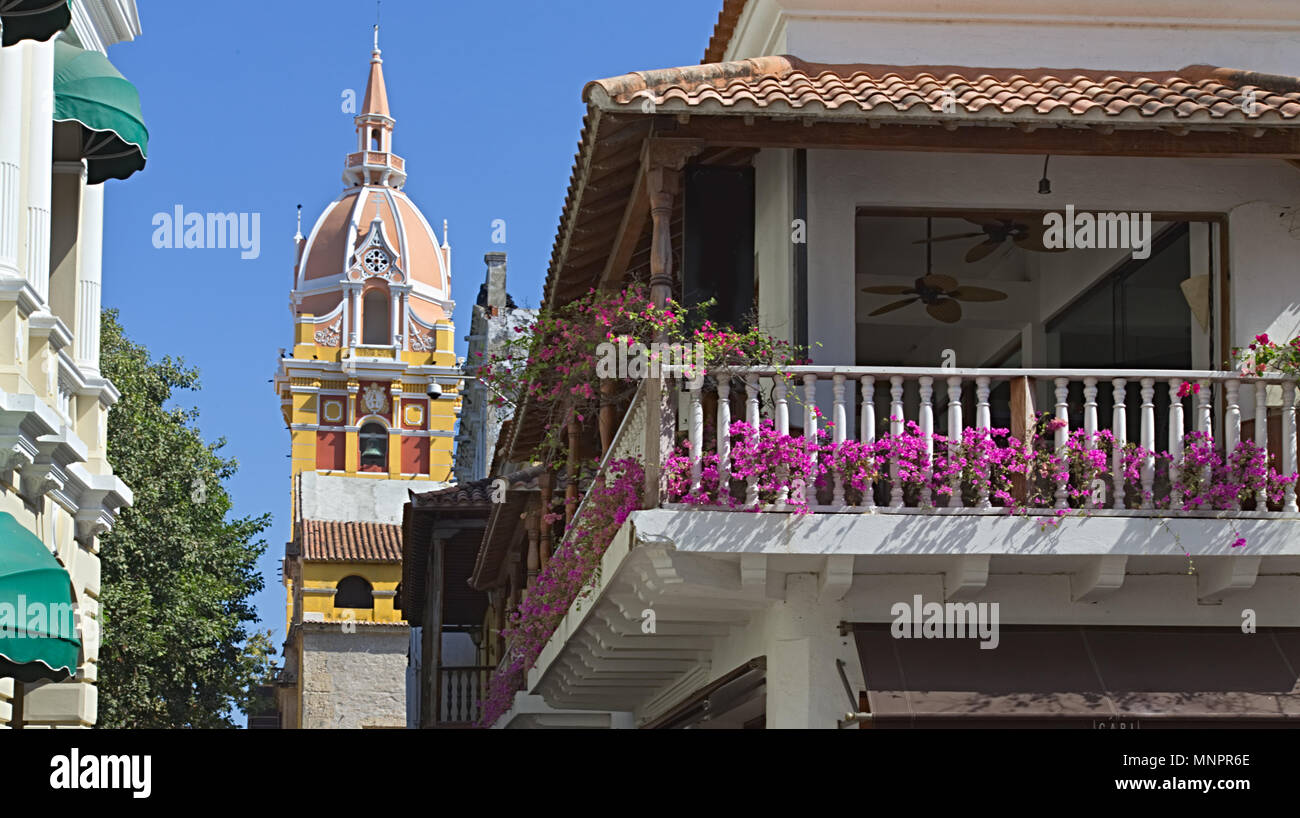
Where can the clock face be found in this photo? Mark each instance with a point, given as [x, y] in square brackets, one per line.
[376, 261]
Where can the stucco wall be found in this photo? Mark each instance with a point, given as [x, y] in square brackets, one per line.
[353, 680]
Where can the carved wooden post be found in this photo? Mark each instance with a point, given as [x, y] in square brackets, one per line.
[534, 551]
[571, 475]
[546, 482]
[608, 420]
[662, 160]
[1022, 428]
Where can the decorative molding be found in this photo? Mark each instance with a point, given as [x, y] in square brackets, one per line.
[332, 335]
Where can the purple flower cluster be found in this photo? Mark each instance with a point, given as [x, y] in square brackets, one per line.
[987, 466]
[565, 579]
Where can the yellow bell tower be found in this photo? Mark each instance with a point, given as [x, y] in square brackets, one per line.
[370, 394]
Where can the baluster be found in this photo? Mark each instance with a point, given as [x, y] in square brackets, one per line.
[1288, 444]
[751, 418]
[782, 429]
[697, 436]
[1089, 412]
[927, 437]
[955, 429]
[983, 420]
[1148, 433]
[1176, 433]
[810, 407]
[867, 429]
[1205, 421]
[723, 435]
[1062, 439]
[1261, 437]
[1232, 424]
[1119, 430]
[896, 430]
[839, 419]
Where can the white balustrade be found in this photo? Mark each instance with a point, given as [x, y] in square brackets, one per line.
[917, 403]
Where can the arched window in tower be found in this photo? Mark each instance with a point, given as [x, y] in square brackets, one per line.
[376, 140]
[354, 592]
[373, 439]
[375, 318]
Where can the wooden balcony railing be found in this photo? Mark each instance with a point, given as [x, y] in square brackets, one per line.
[885, 398]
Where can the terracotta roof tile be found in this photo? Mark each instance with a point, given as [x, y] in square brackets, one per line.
[329, 541]
[775, 85]
[476, 493]
[723, 30]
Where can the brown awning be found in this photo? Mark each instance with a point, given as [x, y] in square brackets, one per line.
[1058, 675]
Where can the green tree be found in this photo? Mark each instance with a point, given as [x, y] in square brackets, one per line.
[178, 576]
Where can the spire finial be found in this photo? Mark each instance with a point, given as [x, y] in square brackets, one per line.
[378, 4]
[297, 236]
[444, 232]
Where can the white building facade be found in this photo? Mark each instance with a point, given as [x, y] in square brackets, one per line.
[58, 494]
[894, 163]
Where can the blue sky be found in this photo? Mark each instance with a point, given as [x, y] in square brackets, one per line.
[243, 101]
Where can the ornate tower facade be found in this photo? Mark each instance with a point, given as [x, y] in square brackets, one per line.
[370, 395]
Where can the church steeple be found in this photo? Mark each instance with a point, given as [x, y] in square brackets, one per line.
[374, 162]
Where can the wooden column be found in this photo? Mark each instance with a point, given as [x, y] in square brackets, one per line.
[546, 481]
[608, 418]
[534, 552]
[571, 475]
[431, 637]
[662, 161]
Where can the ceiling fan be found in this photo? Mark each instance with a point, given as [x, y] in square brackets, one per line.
[996, 230]
[939, 293]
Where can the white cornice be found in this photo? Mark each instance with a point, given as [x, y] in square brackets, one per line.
[98, 24]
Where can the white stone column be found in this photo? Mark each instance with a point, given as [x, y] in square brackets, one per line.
[803, 687]
[11, 146]
[90, 254]
[40, 152]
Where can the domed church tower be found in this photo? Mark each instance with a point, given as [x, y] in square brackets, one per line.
[370, 394]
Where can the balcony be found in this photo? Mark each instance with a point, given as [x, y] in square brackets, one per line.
[1198, 410]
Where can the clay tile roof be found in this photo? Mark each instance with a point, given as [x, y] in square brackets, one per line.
[1197, 94]
[722, 31]
[328, 541]
[476, 493]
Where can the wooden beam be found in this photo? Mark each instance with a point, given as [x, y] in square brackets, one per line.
[630, 229]
[1281, 143]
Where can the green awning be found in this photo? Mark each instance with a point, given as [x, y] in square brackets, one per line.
[90, 91]
[38, 620]
[33, 19]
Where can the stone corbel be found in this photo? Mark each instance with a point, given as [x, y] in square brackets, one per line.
[14, 457]
[39, 479]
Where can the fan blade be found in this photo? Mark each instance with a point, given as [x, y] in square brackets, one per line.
[1034, 242]
[894, 306]
[940, 282]
[946, 311]
[949, 237]
[889, 290]
[977, 294]
[981, 250]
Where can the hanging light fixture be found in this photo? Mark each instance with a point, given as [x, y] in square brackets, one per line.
[1045, 184]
